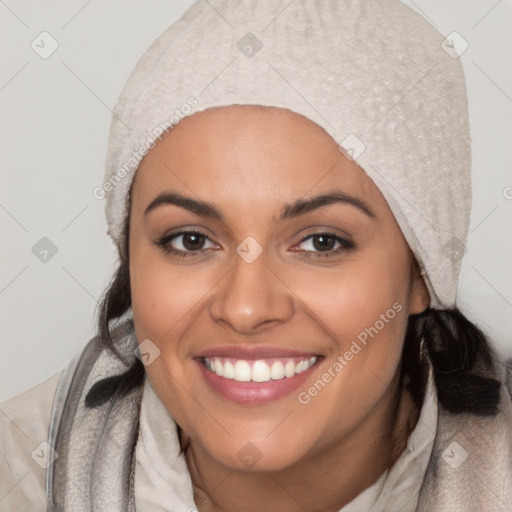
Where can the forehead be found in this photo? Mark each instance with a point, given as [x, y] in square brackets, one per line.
[249, 155]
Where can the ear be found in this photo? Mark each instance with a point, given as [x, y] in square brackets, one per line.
[419, 296]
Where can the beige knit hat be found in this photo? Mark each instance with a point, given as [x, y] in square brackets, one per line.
[383, 82]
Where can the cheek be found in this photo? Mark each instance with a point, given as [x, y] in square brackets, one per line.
[165, 302]
[363, 306]
[351, 297]
[164, 295]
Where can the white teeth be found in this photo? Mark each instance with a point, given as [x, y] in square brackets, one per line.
[277, 370]
[228, 371]
[289, 369]
[242, 371]
[217, 367]
[260, 371]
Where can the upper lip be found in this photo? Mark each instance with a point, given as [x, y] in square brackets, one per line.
[253, 353]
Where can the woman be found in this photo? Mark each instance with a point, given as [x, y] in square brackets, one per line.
[288, 187]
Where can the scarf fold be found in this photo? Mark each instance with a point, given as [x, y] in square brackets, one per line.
[95, 464]
[162, 478]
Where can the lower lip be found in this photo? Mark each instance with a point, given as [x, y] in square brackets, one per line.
[254, 392]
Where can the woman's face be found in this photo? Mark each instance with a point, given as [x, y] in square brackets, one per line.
[267, 244]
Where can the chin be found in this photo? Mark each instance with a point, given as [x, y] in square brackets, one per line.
[252, 459]
[257, 455]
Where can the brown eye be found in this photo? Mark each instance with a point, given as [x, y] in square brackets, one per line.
[193, 241]
[324, 242]
[185, 243]
[325, 245]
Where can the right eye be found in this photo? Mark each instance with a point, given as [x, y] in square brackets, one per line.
[184, 243]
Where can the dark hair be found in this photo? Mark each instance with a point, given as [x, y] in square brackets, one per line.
[462, 362]
[461, 356]
[115, 302]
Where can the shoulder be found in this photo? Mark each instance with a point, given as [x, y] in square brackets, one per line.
[24, 451]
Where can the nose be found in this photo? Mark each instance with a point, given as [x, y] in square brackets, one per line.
[251, 296]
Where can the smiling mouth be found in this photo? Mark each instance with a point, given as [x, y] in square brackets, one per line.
[260, 370]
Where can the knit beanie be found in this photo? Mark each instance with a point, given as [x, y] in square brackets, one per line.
[375, 75]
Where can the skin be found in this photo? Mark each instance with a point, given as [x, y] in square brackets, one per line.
[249, 161]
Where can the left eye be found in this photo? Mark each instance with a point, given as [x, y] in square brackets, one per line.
[325, 244]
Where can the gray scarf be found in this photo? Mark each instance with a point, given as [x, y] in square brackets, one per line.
[95, 467]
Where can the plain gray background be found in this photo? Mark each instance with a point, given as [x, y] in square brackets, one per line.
[54, 120]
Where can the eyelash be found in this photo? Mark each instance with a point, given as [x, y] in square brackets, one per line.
[346, 245]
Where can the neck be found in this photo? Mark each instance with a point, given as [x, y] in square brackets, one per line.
[337, 473]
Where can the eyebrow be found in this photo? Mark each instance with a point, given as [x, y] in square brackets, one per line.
[295, 209]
